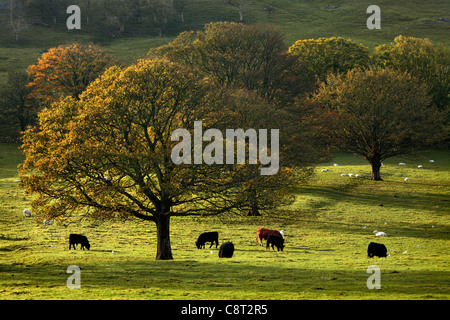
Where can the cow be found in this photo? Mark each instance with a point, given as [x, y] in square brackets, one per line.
[207, 237]
[275, 240]
[376, 249]
[226, 250]
[78, 238]
[263, 233]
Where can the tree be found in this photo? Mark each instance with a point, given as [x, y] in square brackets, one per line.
[67, 70]
[330, 55]
[422, 59]
[14, 101]
[109, 154]
[180, 7]
[253, 58]
[378, 114]
[118, 11]
[17, 16]
[52, 8]
[160, 10]
[244, 56]
[238, 5]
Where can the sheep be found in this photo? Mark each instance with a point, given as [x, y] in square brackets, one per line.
[351, 175]
[431, 161]
[26, 213]
[420, 166]
[402, 164]
[406, 179]
[324, 170]
[48, 222]
[343, 175]
[335, 164]
[380, 233]
[357, 175]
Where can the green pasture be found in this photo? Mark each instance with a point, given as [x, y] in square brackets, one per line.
[327, 229]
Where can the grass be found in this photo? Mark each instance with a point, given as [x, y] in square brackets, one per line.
[325, 255]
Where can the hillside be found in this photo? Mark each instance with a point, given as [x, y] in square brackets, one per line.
[295, 19]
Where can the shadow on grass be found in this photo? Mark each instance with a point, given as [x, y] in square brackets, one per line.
[228, 278]
[417, 201]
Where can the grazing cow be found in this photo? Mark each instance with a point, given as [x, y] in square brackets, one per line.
[78, 238]
[376, 249]
[263, 233]
[275, 240]
[207, 237]
[226, 250]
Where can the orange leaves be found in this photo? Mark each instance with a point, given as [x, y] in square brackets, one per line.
[67, 71]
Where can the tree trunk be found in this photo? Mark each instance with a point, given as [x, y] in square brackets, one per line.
[241, 16]
[376, 165]
[164, 250]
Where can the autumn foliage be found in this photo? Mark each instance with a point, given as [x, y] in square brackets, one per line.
[67, 71]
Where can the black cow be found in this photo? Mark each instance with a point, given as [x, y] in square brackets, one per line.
[226, 250]
[275, 240]
[376, 249]
[78, 238]
[207, 237]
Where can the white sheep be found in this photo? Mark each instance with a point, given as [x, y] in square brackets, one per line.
[380, 233]
[343, 175]
[282, 233]
[357, 175]
[402, 164]
[406, 179]
[351, 175]
[26, 213]
[335, 164]
[48, 222]
[420, 166]
[431, 161]
[324, 170]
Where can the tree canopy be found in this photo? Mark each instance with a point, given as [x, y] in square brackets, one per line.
[330, 55]
[67, 70]
[424, 60]
[244, 56]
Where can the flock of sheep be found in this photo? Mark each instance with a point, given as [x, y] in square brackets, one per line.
[359, 176]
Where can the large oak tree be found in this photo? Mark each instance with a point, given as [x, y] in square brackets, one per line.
[109, 154]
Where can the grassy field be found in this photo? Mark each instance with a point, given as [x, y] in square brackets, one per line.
[328, 229]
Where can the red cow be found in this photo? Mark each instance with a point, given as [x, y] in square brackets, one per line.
[263, 233]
